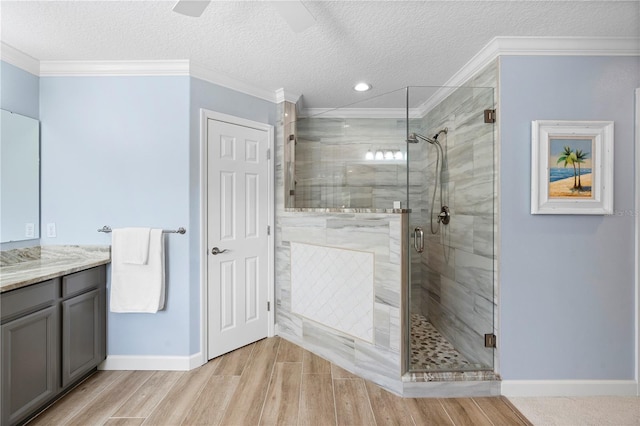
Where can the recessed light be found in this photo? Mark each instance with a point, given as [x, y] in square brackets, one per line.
[362, 87]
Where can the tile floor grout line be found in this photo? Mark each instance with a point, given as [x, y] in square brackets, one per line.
[445, 411]
[163, 397]
[300, 394]
[68, 392]
[366, 392]
[404, 402]
[482, 411]
[204, 385]
[112, 411]
[83, 406]
[126, 417]
[113, 380]
[138, 388]
[515, 410]
[266, 394]
[333, 392]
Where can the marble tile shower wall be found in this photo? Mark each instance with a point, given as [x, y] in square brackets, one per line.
[330, 165]
[458, 264]
[377, 233]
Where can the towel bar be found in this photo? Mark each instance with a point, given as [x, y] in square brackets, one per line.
[180, 230]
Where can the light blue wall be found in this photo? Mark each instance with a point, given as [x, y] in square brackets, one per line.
[125, 151]
[220, 99]
[566, 282]
[115, 151]
[19, 93]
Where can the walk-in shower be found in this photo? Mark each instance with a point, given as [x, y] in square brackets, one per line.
[358, 178]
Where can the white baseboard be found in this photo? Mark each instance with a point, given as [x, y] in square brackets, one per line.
[151, 362]
[569, 388]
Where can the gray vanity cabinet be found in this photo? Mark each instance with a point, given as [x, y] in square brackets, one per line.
[29, 363]
[83, 324]
[53, 334]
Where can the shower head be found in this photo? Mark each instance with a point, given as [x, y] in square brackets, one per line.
[413, 137]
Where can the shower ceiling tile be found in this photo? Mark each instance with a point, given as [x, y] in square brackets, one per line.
[333, 287]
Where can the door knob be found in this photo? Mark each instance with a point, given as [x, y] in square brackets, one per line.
[216, 250]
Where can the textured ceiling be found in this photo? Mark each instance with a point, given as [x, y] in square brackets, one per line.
[389, 44]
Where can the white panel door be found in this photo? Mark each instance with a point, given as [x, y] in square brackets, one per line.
[237, 236]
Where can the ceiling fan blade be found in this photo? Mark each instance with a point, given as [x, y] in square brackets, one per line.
[193, 8]
[296, 14]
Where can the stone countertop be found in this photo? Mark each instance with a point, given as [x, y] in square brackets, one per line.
[22, 267]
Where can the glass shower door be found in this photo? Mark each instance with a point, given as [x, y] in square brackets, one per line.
[451, 196]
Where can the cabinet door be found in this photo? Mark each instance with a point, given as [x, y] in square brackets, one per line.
[81, 335]
[30, 348]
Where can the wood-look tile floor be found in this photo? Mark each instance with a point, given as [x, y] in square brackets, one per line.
[269, 382]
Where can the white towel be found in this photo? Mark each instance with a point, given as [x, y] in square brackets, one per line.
[132, 244]
[138, 288]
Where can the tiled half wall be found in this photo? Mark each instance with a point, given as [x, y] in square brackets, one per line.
[367, 339]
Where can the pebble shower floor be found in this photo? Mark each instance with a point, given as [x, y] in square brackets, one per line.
[430, 350]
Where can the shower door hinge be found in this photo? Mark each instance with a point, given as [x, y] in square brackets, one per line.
[268, 229]
[268, 306]
[489, 340]
[292, 137]
[489, 115]
[269, 154]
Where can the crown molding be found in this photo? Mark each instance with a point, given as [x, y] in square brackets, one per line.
[531, 46]
[499, 46]
[282, 95]
[203, 73]
[178, 67]
[18, 58]
[113, 68]
[566, 46]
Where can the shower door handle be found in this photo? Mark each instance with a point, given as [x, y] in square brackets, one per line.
[418, 235]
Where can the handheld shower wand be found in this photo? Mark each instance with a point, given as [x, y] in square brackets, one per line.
[444, 216]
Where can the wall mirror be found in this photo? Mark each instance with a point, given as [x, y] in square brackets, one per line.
[19, 177]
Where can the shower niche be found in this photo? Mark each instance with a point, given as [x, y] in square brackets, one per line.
[408, 176]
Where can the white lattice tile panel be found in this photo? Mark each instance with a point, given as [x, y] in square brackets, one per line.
[333, 287]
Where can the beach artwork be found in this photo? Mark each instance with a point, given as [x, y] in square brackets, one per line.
[570, 167]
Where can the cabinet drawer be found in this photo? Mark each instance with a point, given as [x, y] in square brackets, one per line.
[28, 299]
[82, 281]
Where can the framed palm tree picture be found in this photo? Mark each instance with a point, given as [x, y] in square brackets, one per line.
[571, 167]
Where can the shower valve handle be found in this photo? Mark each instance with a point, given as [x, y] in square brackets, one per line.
[445, 215]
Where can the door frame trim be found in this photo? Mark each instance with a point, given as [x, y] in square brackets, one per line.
[206, 115]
